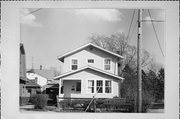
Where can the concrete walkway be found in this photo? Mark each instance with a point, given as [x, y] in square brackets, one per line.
[155, 111]
[27, 107]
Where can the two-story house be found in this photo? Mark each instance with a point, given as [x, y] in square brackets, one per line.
[89, 70]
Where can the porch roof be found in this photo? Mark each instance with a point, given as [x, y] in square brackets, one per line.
[88, 67]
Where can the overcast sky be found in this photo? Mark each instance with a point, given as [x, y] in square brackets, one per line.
[48, 33]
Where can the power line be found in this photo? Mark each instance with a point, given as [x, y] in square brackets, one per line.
[130, 25]
[33, 11]
[156, 34]
[132, 31]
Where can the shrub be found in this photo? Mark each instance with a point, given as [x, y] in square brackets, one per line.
[115, 97]
[23, 100]
[39, 100]
[147, 101]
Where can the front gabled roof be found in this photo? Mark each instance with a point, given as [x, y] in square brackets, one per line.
[88, 67]
[61, 57]
[42, 72]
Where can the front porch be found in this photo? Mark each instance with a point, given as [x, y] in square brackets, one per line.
[70, 88]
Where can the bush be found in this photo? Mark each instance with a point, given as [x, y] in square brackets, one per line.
[39, 100]
[147, 101]
[23, 100]
[115, 97]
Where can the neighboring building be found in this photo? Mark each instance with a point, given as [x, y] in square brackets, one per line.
[32, 87]
[27, 87]
[40, 76]
[23, 79]
[52, 90]
[89, 70]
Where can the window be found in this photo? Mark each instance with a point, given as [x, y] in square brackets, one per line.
[107, 86]
[90, 86]
[74, 65]
[78, 86]
[99, 86]
[90, 60]
[107, 64]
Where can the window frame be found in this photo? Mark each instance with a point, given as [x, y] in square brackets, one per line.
[71, 63]
[90, 62]
[107, 64]
[108, 86]
[100, 86]
[93, 86]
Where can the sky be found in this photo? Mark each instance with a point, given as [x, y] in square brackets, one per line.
[48, 33]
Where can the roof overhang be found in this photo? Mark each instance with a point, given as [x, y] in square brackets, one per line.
[88, 67]
[61, 57]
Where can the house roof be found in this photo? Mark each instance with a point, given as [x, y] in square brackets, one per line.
[42, 72]
[88, 67]
[61, 57]
[51, 86]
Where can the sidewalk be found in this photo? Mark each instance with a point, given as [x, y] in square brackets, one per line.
[155, 111]
[30, 108]
[26, 107]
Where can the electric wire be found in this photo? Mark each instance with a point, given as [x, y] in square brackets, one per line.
[156, 33]
[133, 31]
[33, 11]
[130, 25]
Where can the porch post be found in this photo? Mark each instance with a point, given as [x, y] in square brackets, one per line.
[60, 87]
[58, 96]
[58, 102]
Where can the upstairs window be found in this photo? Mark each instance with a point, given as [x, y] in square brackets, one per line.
[91, 61]
[74, 65]
[107, 64]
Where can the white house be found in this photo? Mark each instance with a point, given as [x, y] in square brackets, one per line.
[89, 71]
[41, 76]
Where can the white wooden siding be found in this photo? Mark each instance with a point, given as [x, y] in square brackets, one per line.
[86, 75]
[86, 54]
[40, 80]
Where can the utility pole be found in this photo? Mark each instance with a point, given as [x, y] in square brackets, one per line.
[139, 43]
[32, 63]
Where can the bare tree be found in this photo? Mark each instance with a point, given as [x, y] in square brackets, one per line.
[154, 66]
[56, 72]
[118, 43]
